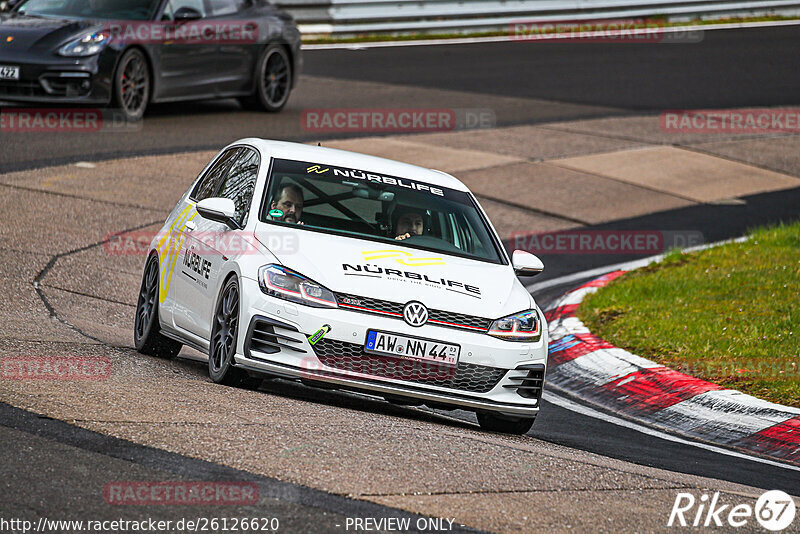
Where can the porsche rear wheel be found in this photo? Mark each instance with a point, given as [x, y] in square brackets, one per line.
[273, 81]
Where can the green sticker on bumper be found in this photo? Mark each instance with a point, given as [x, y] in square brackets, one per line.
[319, 334]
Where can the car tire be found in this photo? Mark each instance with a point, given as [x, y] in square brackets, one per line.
[505, 424]
[147, 336]
[273, 81]
[132, 85]
[224, 335]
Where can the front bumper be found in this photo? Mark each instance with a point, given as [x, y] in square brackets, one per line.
[82, 81]
[492, 374]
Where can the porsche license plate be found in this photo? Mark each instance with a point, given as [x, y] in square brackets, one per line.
[411, 348]
[9, 73]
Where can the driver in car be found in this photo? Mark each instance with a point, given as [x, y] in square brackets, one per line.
[289, 203]
[408, 222]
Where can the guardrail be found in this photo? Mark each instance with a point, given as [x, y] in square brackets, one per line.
[353, 17]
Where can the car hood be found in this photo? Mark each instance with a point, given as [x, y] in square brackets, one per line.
[397, 273]
[28, 32]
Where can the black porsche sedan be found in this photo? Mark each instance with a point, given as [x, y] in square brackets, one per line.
[129, 53]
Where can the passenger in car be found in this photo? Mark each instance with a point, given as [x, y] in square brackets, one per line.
[408, 221]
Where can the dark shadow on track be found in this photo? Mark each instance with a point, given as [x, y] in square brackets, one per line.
[71, 466]
[714, 222]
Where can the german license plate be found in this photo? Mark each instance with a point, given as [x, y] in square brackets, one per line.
[9, 73]
[411, 348]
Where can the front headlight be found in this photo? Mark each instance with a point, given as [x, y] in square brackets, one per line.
[524, 326]
[88, 45]
[283, 283]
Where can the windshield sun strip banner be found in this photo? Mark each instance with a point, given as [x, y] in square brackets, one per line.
[346, 175]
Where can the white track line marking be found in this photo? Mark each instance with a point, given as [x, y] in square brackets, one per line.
[567, 404]
[508, 38]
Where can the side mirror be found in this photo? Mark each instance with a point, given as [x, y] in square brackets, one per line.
[221, 210]
[526, 264]
[186, 14]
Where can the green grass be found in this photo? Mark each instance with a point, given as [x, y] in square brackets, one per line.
[379, 37]
[730, 314]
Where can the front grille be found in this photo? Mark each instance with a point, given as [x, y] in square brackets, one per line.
[70, 86]
[394, 309]
[528, 380]
[459, 320]
[464, 377]
[369, 305]
[21, 88]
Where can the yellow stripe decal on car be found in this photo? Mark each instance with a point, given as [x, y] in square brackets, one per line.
[168, 248]
[408, 260]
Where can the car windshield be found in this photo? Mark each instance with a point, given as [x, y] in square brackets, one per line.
[92, 9]
[357, 203]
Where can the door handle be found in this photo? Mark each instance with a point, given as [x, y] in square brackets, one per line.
[190, 225]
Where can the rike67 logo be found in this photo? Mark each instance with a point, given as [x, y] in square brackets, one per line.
[774, 511]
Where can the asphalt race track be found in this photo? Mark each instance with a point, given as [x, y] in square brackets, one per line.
[164, 420]
[728, 68]
[521, 82]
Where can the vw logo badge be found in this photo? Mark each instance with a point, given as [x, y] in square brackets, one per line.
[415, 313]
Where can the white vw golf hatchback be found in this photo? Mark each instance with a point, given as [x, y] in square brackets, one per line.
[348, 271]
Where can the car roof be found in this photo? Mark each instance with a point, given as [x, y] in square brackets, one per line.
[352, 160]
